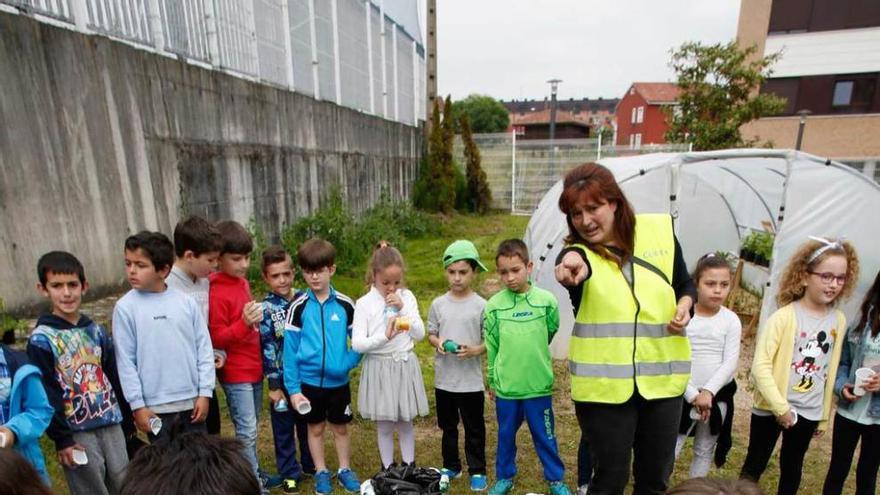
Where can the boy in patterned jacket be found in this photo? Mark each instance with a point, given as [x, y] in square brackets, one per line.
[288, 426]
[75, 356]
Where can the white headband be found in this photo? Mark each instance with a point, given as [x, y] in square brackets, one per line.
[836, 244]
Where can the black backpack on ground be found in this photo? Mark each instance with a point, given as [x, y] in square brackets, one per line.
[407, 480]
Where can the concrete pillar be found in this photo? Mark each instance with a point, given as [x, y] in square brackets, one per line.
[396, 74]
[384, 33]
[154, 18]
[316, 77]
[288, 44]
[80, 13]
[336, 69]
[212, 32]
[431, 62]
[370, 73]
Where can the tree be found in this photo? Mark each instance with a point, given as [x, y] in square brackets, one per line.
[485, 114]
[479, 196]
[434, 189]
[718, 84]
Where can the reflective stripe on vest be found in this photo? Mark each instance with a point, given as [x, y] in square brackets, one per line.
[620, 340]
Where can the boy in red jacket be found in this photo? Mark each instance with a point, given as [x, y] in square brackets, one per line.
[233, 317]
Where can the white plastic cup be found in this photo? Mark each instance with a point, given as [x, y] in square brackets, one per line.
[794, 416]
[695, 414]
[80, 458]
[862, 376]
[304, 407]
[155, 425]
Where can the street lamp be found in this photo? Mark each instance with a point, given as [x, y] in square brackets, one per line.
[803, 122]
[554, 85]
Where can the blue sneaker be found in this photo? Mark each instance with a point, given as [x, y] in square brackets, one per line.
[478, 482]
[269, 481]
[559, 488]
[322, 482]
[451, 473]
[501, 487]
[349, 480]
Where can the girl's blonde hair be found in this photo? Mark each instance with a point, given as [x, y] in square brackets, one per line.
[384, 255]
[791, 285]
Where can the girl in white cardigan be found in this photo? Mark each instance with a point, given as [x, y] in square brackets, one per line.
[386, 325]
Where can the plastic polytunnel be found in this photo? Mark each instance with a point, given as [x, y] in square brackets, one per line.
[717, 198]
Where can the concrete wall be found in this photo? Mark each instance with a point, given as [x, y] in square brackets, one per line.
[841, 137]
[99, 140]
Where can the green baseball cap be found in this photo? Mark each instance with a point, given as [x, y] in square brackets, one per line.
[462, 250]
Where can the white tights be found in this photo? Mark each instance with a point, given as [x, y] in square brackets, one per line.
[405, 436]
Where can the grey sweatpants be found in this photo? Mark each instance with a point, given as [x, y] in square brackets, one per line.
[105, 448]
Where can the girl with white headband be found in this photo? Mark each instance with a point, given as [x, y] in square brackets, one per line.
[796, 358]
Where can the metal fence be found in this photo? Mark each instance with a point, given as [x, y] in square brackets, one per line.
[350, 52]
[521, 171]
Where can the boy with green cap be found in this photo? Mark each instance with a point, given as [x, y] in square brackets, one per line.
[455, 330]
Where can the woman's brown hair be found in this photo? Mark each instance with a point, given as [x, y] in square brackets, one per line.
[870, 310]
[597, 183]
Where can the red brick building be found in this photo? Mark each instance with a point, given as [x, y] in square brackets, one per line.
[641, 113]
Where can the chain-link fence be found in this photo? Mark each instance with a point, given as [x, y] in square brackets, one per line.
[363, 54]
[521, 171]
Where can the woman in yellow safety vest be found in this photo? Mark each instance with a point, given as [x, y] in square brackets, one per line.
[628, 356]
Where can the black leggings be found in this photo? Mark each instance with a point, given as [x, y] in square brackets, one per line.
[763, 433]
[843, 445]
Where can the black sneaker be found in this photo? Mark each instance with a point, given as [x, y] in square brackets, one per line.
[290, 485]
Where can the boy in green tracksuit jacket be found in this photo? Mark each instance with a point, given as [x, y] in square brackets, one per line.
[519, 323]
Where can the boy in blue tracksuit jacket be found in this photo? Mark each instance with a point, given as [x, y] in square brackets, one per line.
[318, 359]
[25, 411]
[289, 428]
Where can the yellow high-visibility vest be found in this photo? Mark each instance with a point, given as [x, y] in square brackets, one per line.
[619, 339]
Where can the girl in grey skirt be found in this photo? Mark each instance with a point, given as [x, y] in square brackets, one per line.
[386, 324]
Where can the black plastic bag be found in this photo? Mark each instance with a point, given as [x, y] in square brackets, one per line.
[407, 480]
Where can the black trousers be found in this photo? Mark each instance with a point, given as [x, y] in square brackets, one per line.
[763, 433]
[469, 407]
[213, 420]
[644, 428]
[843, 445]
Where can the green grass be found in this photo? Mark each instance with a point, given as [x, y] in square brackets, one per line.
[426, 279]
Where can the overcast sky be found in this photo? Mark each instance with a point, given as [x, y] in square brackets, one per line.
[510, 48]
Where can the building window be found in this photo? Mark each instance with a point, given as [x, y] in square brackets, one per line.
[842, 93]
[638, 141]
[633, 119]
[640, 115]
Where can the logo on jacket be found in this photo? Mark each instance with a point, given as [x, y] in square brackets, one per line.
[334, 317]
[521, 314]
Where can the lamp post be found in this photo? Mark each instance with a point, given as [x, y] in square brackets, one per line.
[554, 85]
[803, 122]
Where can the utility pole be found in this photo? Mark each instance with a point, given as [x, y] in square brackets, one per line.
[801, 124]
[554, 86]
[431, 62]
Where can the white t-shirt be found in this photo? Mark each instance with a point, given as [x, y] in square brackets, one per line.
[715, 342]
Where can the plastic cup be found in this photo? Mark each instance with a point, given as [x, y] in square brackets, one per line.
[281, 405]
[80, 458]
[862, 376]
[794, 415]
[402, 323]
[304, 407]
[450, 346]
[155, 425]
[695, 414]
[2, 441]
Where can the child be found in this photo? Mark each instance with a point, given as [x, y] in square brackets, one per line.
[386, 323]
[196, 249]
[714, 334]
[858, 416]
[25, 411]
[796, 358]
[318, 360]
[457, 316]
[18, 476]
[191, 464]
[76, 358]
[519, 323]
[233, 321]
[278, 275]
[165, 361]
